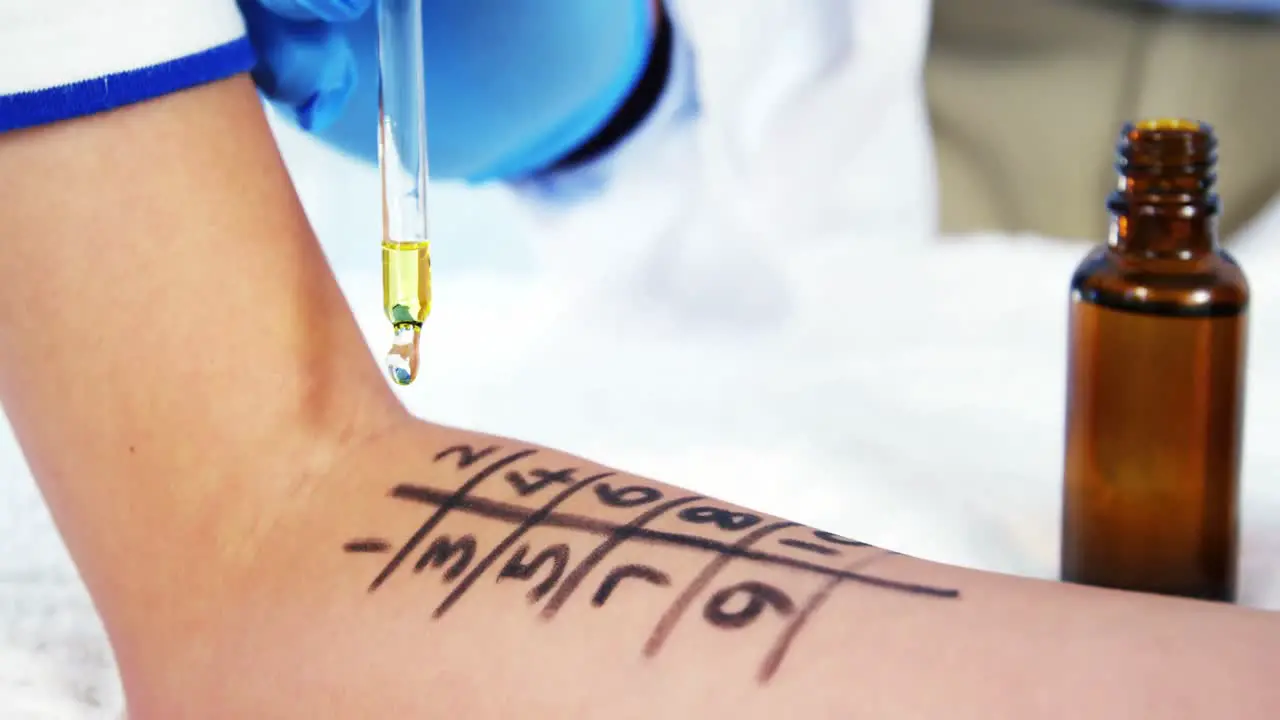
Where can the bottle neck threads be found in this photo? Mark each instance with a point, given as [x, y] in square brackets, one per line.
[1165, 202]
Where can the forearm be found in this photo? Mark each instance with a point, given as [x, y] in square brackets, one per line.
[405, 585]
[175, 351]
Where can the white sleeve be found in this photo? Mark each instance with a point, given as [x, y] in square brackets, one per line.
[798, 102]
[66, 58]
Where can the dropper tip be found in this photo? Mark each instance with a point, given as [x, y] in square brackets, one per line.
[401, 376]
[402, 358]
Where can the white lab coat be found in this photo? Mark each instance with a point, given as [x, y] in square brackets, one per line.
[788, 120]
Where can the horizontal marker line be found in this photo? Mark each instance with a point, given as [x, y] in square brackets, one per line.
[507, 512]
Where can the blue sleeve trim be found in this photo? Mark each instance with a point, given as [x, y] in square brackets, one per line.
[86, 97]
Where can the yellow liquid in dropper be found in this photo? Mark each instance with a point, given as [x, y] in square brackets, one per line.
[406, 300]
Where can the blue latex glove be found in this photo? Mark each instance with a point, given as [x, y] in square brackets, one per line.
[512, 85]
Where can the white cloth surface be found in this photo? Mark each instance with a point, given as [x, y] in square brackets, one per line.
[757, 309]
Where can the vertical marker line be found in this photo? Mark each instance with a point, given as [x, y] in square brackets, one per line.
[779, 650]
[422, 532]
[704, 578]
[616, 538]
[536, 517]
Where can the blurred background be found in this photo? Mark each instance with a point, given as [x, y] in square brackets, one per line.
[832, 287]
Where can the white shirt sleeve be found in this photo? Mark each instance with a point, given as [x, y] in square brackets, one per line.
[66, 58]
[764, 149]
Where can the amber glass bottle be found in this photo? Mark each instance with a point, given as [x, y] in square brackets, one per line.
[1156, 380]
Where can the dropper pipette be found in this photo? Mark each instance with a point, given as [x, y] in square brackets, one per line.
[402, 162]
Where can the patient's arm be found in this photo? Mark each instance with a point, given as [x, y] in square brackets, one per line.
[268, 535]
[482, 577]
[174, 354]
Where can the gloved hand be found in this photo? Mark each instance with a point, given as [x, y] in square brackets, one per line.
[512, 85]
[305, 63]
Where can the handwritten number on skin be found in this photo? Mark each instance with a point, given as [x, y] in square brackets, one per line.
[724, 519]
[651, 575]
[541, 478]
[517, 568]
[467, 455]
[442, 550]
[737, 606]
[626, 497]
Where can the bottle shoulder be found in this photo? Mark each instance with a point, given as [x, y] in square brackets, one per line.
[1205, 285]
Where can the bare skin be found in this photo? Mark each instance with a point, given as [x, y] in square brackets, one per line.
[232, 476]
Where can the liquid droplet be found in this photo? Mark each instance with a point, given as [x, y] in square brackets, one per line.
[402, 359]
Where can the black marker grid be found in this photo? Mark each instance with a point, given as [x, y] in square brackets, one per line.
[751, 598]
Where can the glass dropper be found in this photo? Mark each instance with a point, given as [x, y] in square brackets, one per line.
[402, 162]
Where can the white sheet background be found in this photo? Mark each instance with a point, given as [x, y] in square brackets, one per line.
[930, 424]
